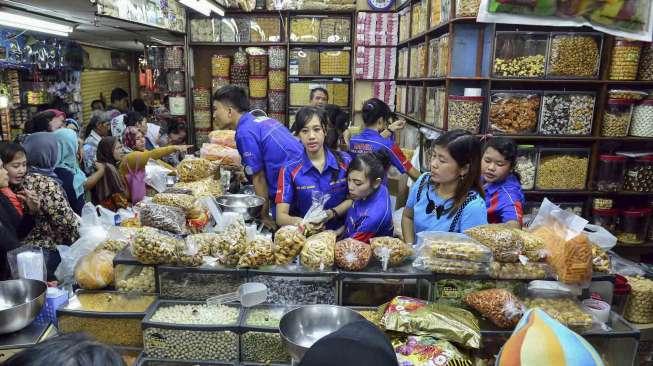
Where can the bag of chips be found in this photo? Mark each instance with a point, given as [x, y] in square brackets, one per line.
[428, 351]
[500, 306]
[352, 255]
[319, 250]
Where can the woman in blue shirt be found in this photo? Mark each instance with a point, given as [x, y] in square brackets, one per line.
[377, 136]
[449, 197]
[318, 171]
[505, 199]
[371, 213]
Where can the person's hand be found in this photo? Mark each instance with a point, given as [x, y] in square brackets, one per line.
[268, 222]
[100, 167]
[183, 148]
[397, 125]
[30, 199]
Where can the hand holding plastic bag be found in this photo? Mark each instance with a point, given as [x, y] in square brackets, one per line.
[316, 216]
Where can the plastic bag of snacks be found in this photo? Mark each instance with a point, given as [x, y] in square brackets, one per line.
[95, 270]
[288, 243]
[449, 266]
[113, 245]
[390, 251]
[504, 243]
[418, 317]
[318, 250]
[316, 215]
[223, 137]
[639, 306]
[204, 242]
[452, 292]
[192, 169]
[425, 351]
[207, 187]
[560, 302]
[352, 255]
[219, 154]
[534, 248]
[520, 271]
[500, 306]
[600, 259]
[186, 202]
[258, 253]
[233, 241]
[443, 245]
[168, 218]
[152, 246]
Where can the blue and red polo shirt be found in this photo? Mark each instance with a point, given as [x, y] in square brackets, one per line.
[370, 217]
[504, 201]
[370, 140]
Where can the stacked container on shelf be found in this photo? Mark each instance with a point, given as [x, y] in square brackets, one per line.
[526, 165]
[464, 112]
[641, 124]
[639, 174]
[567, 113]
[435, 106]
[574, 55]
[520, 54]
[260, 341]
[634, 226]
[608, 218]
[611, 173]
[419, 17]
[514, 112]
[624, 60]
[555, 165]
[440, 12]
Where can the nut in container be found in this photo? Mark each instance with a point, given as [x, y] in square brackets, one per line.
[574, 55]
[260, 341]
[520, 54]
[514, 112]
[555, 164]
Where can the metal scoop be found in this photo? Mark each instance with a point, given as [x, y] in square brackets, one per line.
[248, 294]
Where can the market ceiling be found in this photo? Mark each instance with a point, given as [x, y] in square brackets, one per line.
[96, 30]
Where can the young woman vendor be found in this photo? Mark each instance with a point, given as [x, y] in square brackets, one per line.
[371, 212]
[318, 171]
[377, 136]
[450, 196]
[502, 187]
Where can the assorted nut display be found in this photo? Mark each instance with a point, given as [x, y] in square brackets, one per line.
[198, 314]
[352, 255]
[522, 67]
[263, 347]
[616, 118]
[525, 167]
[574, 55]
[553, 171]
[196, 286]
[514, 113]
[520, 54]
[518, 271]
[135, 278]
[499, 305]
[335, 30]
[624, 61]
[334, 62]
[567, 114]
[639, 306]
[465, 113]
[639, 175]
[118, 331]
[298, 290]
[109, 302]
[389, 249]
[565, 310]
[641, 124]
[190, 344]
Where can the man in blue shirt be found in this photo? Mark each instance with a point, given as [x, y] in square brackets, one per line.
[264, 144]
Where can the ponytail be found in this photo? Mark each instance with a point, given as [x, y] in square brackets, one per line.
[373, 164]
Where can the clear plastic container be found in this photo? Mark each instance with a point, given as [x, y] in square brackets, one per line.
[555, 165]
[197, 283]
[611, 173]
[438, 56]
[402, 63]
[514, 112]
[404, 24]
[465, 113]
[574, 55]
[415, 102]
[435, 104]
[638, 306]
[265, 29]
[419, 17]
[520, 54]
[135, 278]
[639, 175]
[305, 29]
[401, 98]
[418, 61]
[205, 30]
[606, 218]
[634, 226]
[304, 61]
[641, 124]
[526, 165]
[467, 8]
[617, 116]
[440, 12]
[567, 113]
[335, 30]
[646, 63]
[624, 61]
[334, 62]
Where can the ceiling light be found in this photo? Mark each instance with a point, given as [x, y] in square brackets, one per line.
[15, 19]
[203, 6]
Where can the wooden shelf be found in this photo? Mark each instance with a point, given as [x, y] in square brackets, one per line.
[585, 192]
[320, 44]
[413, 121]
[344, 77]
[237, 44]
[420, 79]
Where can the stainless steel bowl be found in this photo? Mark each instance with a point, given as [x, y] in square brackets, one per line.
[20, 302]
[302, 327]
[248, 205]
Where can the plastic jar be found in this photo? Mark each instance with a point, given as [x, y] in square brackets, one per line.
[610, 177]
[642, 122]
[465, 113]
[624, 62]
[634, 226]
[639, 175]
[606, 218]
[616, 119]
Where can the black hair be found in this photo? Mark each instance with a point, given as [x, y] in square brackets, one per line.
[373, 164]
[139, 106]
[302, 118]
[233, 95]
[373, 109]
[338, 123]
[75, 349]
[104, 106]
[118, 94]
[9, 150]
[94, 122]
[318, 89]
[40, 122]
[132, 118]
[507, 148]
[175, 127]
[465, 149]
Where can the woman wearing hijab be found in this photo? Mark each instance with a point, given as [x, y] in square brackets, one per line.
[67, 169]
[55, 223]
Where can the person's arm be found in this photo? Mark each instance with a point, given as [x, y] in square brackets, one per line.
[137, 160]
[408, 226]
[261, 190]
[284, 217]
[60, 215]
[399, 160]
[94, 178]
[284, 196]
[340, 210]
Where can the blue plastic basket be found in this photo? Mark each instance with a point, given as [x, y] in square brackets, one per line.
[53, 301]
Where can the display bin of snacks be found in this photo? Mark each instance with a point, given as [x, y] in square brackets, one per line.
[624, 59]
[641, 124]
[258, 65]
[149, 361]
[645, 71]
[111, 317]
[574, 55]
[465, 113]
[243, 28]
[192, 330]
[402, 63]
[305, 29]
[335, 30]
[258, 86]
[198, 283]
[338, 93]
[435, 104]
[204, 30]
[220, 66]
[373, 286]
[260, 341]
[335, 62]
[639, 306]
[634, 226]
[228, 30]
[639, 174]
[277, 58]
[554, 165]
[416, 108]
[611, 173]
[265, 29]
[440, 12]
[296, 285]
[520, 54]
[567, 113]
[419, 16]
[299, 93]
[452, 291]
[467, 8]
[525, 165]
[401, 99]
[304, 61]
[607, 218]
[617, 117]
[133, 276]
[404, 24]
[562, 306]
[418, 60]
[514, 113]
[129, 355]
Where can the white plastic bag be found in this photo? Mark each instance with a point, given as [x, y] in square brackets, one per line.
[316, 214]
[156, 176]
[550, 215]
[600, 236]
[27, 262]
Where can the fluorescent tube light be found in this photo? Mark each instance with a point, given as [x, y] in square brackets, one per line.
[33, 23]
[203, 6]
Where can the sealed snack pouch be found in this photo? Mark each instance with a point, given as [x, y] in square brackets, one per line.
[221, 155]
[505, 245]
[288, 243]
[352, 255]
[454, 246]
[204, 242]
[319, 250]
[500, 306]
[534, 248]
[186, 202]
[258, 253]
[233, 240]
[95, 270]
[316, 214]
[390, 251]
[427, 351]
[223, 137]
[152, 246]
[168, 218]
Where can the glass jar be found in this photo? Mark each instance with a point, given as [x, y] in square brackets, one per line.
[616, 118]
[525, 165]
[639, 175]
[634, 226]
[465, 113]
[624, 62]
[606, 218]
[610, 177]
[520, 54]
[642, 121]
[602, 203]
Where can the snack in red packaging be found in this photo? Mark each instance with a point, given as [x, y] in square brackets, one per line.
[428, 351]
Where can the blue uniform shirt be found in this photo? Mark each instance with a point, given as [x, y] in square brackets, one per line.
[265, 144]
[370, 140]
[298, 181]
[504, 201]
[473, 215]
[370, 217]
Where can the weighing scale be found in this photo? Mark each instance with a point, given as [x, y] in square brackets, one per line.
[34, 333]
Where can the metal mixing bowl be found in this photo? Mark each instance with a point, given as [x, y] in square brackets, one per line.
[20, 302]
[248, 205]
[302, 327]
